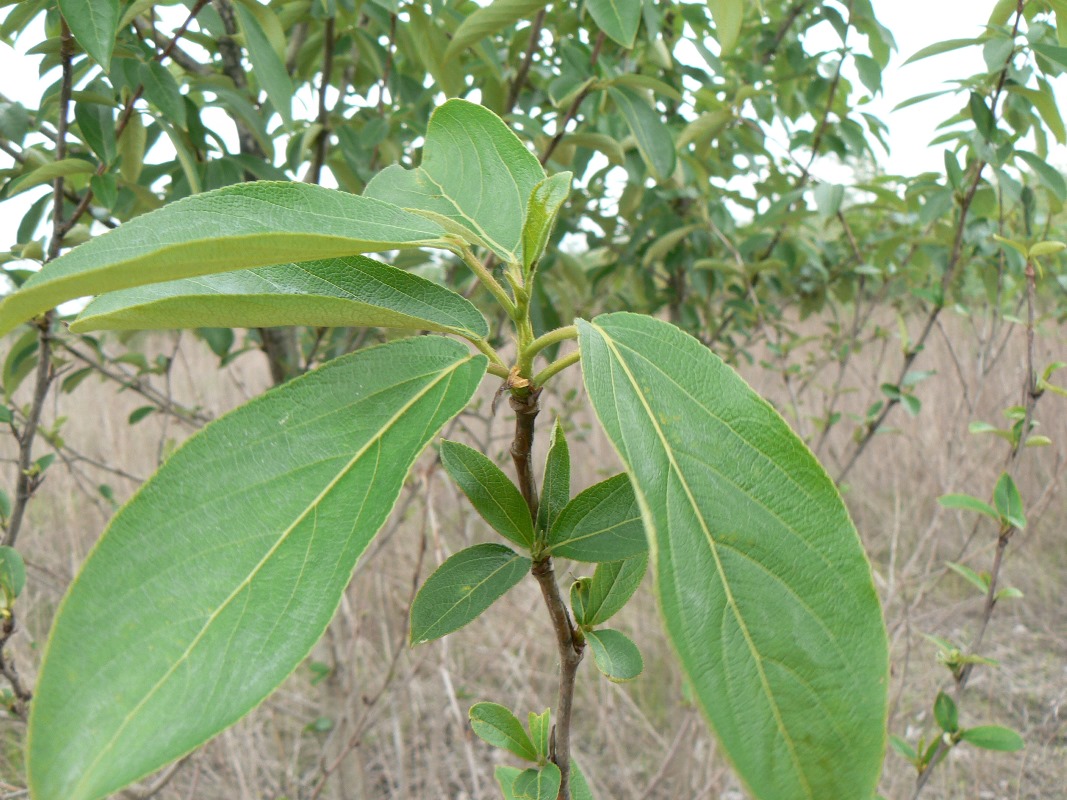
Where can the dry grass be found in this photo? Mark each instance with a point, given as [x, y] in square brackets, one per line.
[392, 721]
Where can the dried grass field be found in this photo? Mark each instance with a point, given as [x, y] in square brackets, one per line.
[367, 718]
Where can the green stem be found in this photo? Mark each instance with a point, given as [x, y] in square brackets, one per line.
[488, 281]
[558, 365]
[549, 339]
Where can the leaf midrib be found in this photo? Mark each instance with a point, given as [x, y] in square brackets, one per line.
[466, 597]
[712, 545]
[312, 506]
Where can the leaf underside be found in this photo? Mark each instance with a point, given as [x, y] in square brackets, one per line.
[338, 292]
[213, 583]
[764, 588]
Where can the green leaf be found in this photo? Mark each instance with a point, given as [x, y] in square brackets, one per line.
[490, 491]
[546, 200]
[21, 361]
[652, 136]
[14, 122]
[946, 713]
[497, 726]
[579, 785]
[764, 588]
[462, 588]
[946, 46]
[66, 168]
[12, 573]
[1008, 502]
[506, 777]
[140, 413]
[979, 582]
[541, 732]
[163, 92]
[1047, 249]
[1045, 102]
[994, 737]
[615, 655]
[538, 784]
[603, 523]
[236, 553]
[556, 485]
[240, 226]
[267, 67]
[94, 24]
[612, 585]
[476, 178]
[97, 125]
[619, 19]
[728, 15]
[489, 20]
[339, 292]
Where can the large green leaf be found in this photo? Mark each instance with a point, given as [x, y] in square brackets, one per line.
[338, 292]
[463, 587]
[491, 19]
[215, 580]
[728, 15]
[240, 226]
[476, 178]
[653, 137]
[94, 24]
[619, 19]
[765, 591]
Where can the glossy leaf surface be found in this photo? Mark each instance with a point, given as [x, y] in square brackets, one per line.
[463, 587]
[338, 292]
[490, 491]
[212, 584]
[245, 225]
[476, 178]
[765, 591]
[602, 523]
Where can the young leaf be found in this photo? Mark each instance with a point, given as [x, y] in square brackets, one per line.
[580, 789]
[556, 486]
[619, 19]
[476, 178]
[1008, 502]
[967, 503]
[603, 523]
[490, 491]
[538, 784]
[653, 137]
[902, 748]
[612, 585]
[993, 737]
[506, 777]
[496, 725]
[764, 588]
[337, 292]
[541, 731]
[615, 655]
[946, 713]
[235, 552]
[245, 225]
[490, 19]
[979, 582]
[12, 574]
[546, 199]
[94, 24]
[462, 588]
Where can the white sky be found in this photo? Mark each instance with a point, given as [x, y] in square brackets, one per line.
[914, 23]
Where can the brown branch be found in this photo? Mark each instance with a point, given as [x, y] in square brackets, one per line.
[7, 668]
[527, 60]
[322, 140]
[561, 131]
